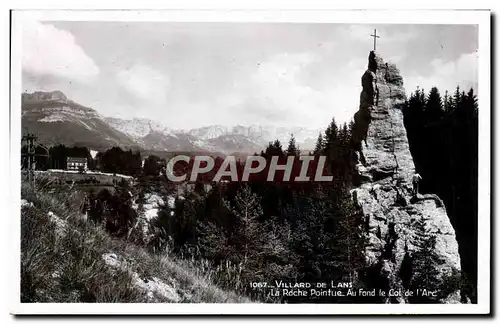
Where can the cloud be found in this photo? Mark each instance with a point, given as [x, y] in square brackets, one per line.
[275, 91]
[281, 92]
[144, 82]
[446, 75]
[48, 50]
[280, 74]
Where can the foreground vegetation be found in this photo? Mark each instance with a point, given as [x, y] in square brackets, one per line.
[62, 258]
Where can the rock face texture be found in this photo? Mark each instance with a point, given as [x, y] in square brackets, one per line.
[55, 119]
[393, 217]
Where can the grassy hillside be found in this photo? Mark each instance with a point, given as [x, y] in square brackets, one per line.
[75, 134]
[65, 258]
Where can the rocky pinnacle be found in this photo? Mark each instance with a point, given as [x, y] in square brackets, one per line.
[383, 192]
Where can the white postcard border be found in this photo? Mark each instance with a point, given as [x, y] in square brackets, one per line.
[481, 18]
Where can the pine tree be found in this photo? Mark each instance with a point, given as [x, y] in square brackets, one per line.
[327, 238]
[472, 99]
[332, 148]
[187, 213]
[434, 106]
[350, 240]
[331, 138]
[421, 96]
[212, 241]
[468, 107]
[448, 102]
[457, 99]
[311, 240]
[292, 147]
[248, 237]
[319, 144]
[425, 264]
[274, 149]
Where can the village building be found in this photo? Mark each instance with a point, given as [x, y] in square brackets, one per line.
[76, 163]
[183, 188]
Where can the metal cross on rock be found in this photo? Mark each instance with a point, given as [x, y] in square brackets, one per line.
[375, 39]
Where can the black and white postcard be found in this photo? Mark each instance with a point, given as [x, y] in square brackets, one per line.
[250, 162]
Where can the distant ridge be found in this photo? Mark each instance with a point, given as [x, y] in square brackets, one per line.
[56, 119]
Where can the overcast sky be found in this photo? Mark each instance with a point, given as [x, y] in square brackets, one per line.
[189, 75]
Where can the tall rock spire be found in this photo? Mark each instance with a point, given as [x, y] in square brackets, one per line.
[393, 218]
[380, 136]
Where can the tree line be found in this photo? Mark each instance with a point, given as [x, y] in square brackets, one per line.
[113, 160]
[254, 231]
[266, 231]
[443, 137]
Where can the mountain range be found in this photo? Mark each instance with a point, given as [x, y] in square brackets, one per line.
[55, 119]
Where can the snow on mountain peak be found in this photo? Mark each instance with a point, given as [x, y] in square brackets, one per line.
[214, 137]
[137, 128]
